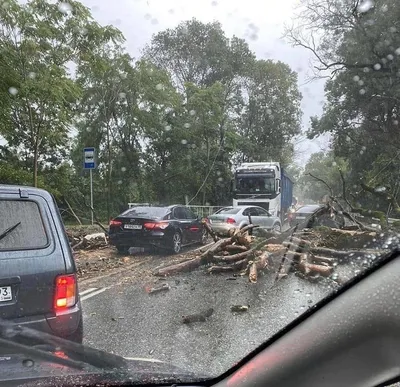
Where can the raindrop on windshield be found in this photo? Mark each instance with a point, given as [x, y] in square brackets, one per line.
[362, 91]
[167, 128]
[360, 82]
[123, 169]
[32, 75]
[390, 57]
[184, 142]
[397, 51]
[65, 7]
[122, 95]
[365, 6]
[159, 86]
[13, 90]
[187, 125]
[377, 66]
[356, 78]
[192, 112]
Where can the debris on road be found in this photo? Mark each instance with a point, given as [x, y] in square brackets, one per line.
[300, 250]
[197, 317]
[239, 308]
[162, 288]
[81, 239]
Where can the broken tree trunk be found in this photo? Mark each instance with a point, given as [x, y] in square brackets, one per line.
[253, 273]
[179, 267]
[210, 231]
[233, 267]
[312, 269]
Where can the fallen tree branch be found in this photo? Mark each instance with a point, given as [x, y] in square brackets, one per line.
[222, 269]
[210, 231]
[179, 267]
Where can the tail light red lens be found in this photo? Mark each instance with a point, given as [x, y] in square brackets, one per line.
[115, 223]
[65, 294]
[230, 221]
[156, 225]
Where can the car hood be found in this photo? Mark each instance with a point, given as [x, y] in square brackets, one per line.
[22, 370]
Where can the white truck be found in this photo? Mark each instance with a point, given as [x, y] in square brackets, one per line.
[263, 184]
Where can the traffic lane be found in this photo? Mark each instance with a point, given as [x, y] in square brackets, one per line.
[127, 321]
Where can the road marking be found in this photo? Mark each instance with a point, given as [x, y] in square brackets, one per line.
[92, 294]
[87, 291]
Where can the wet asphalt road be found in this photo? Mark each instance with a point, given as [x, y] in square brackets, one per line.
[127, 321]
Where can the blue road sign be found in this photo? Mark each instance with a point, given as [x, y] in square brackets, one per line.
[88, 158]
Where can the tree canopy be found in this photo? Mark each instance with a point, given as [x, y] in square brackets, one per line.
[167, 127]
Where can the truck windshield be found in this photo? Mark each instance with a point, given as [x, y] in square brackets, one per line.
[255, 184]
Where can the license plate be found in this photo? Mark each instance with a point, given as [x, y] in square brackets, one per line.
[133, 226]
[5, 293]
[217, 220]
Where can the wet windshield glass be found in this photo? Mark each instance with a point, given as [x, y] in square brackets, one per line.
[135, 122]
[251, 184]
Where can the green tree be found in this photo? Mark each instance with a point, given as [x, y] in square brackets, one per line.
[39, 41]
[272, 114]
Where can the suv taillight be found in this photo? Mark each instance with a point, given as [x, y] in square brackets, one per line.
[65, 294]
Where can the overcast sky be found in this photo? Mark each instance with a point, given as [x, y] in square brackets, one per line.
[140, 19]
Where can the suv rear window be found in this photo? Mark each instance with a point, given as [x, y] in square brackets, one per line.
[30, 234]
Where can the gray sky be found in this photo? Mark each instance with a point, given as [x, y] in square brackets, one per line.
[140, 19]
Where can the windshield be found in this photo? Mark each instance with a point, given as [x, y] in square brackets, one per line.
[253, 184]
[126, 125]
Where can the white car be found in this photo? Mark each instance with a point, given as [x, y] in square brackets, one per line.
[228, 217]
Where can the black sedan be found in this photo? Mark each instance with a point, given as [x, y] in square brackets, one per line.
[168, 228]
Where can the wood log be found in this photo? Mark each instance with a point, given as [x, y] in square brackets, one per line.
[161, 288]
[312, 269]
[233, 258]
[197, 317]
[235, 248]
[179, 267]
[253, 273]
[299, 241]
[223, 269]
[210, 231]
[217, 246]
[337, 253]
[262, 261]
[319, 259]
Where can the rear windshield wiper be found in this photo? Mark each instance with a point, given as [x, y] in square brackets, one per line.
[9, 230]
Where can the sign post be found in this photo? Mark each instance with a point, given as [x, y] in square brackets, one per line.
[89, 163]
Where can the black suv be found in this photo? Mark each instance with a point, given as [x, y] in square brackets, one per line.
[38, 283]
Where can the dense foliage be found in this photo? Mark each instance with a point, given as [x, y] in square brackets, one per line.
[168, 126]
[357, 45]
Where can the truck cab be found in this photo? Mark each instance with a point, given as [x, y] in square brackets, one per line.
[263, 184]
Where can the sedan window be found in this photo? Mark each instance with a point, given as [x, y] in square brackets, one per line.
[179, 213]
